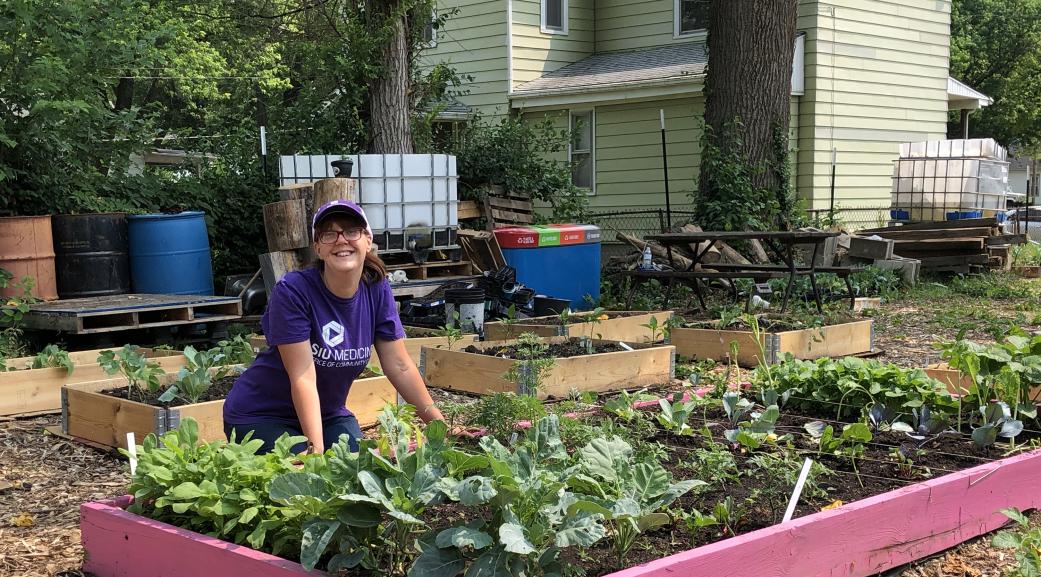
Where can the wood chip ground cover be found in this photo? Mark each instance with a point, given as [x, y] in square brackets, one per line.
[47, 477]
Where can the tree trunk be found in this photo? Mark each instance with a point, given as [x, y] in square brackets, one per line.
[390, 95]
[750, 44]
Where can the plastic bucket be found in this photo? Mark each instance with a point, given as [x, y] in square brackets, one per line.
[469, 303]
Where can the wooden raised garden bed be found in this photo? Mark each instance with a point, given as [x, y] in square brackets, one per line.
[828, 341]
[855, 540]
[412, 344]
[1027, 271]
[103, 419]
[484, 374]
[958, 383]
[624, 326]
[25, 391]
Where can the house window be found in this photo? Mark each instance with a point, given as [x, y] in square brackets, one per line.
[430, 31]
[581, 149]
[554, 16]
[691, 16]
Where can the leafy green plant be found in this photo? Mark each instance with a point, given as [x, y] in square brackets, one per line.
[532, 517]
[531, 366]
[1026, 541]
[997, 422]
[675, 415]
[236, 351]
[630, 495]
[510, 322]
[450, 331]
[198, 374]
[656, 329]
[623, 405]
[1026, 254]
[850, 443]
[142, 374]
[499, 413]
[11, 313]
[52, 356]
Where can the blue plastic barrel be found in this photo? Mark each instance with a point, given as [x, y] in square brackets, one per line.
[170, 254]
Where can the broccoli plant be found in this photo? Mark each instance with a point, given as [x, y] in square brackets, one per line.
[674, 415]
[141, 373]
[631, 495]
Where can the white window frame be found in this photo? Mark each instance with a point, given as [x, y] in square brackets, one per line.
[676, 32]
[572, 113]
[432, 43]
[563, 18]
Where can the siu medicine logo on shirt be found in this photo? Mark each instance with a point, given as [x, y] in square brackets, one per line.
[333, 334]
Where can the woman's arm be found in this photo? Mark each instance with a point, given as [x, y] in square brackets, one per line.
[303, 382]
[403, 374]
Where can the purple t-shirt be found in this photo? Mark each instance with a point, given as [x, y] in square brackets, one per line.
[341, 332]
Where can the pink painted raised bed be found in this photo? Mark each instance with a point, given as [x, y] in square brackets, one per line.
[855, 540]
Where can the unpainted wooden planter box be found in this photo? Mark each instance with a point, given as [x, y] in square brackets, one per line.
[484, 374]
[830, 341]
[25, 391]
[1027, 271]
[412, 344]
[628, 329]
[89, 415]
[859, 539]
[960, 384]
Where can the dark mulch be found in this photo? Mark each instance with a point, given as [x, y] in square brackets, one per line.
[217, 391]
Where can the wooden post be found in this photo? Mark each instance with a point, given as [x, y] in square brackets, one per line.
[276, 264]
[286, 226]
[303, 191]
[329, 189]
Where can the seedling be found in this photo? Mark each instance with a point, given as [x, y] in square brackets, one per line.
[530, 367]
[674, 415]
[450, 331]
[510, 322]
[52, 356]
[656, 329]
[850, 443]
[141, 373]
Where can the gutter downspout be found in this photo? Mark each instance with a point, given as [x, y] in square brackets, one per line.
[509, 51]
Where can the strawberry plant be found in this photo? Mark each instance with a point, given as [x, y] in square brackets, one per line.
[52, 356]
[1026, 541]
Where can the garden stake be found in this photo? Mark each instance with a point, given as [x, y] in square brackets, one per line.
[798, 490]
[132, 450]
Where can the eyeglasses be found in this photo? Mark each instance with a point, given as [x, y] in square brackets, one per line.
[330, 236]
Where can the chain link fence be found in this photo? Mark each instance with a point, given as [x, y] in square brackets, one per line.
[638, 223]
[851, 219]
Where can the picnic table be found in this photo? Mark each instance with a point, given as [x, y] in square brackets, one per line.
[778, 242]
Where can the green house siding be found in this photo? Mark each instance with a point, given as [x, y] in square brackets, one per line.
[631, 25]
[627, 151]
[535, 53]
[876, 76]
[473, 42]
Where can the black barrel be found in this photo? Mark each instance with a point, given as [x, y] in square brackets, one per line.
[90, 254]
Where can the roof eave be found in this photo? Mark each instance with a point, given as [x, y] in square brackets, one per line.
[665, 87]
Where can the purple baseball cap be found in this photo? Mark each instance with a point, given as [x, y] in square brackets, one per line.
[340, 207]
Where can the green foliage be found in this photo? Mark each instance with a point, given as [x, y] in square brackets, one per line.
[1026, 254]
[841, 387]
[1026, 541]
[198, 374]
[236, 351]
[675, 414]
[531, 366]
[452, 332]
[996, 49]
[499, 413]
[53, 356]
[142, 374]
[729, 199]
[518, 155]
[12, 311]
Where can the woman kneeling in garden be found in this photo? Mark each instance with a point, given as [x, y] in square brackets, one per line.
[321, 325]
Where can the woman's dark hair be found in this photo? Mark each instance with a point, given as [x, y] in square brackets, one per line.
[375, 271]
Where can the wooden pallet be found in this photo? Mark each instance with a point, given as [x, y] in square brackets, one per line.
[508, 209]
[130, 311]
[429, 270]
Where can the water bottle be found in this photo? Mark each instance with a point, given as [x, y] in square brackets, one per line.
[646, 264]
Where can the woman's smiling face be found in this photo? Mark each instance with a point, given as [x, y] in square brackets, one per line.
[334, 244]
